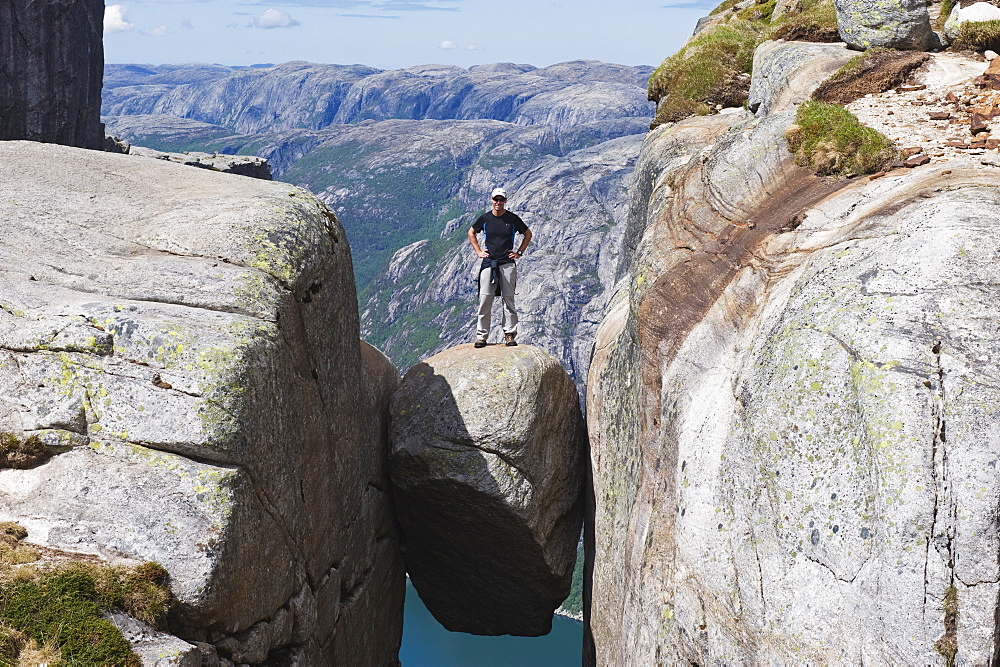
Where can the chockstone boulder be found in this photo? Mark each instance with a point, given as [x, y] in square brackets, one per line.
[487, 470]
[186, 343]
[893, 24]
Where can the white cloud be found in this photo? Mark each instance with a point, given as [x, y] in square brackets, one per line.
[159, 30]
[114, 19]
[446, 44]
[475, 47]
[274, 18]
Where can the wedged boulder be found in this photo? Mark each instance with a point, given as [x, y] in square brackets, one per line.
[51, 68]
[486, 460]
[187, 343]
[894, 24]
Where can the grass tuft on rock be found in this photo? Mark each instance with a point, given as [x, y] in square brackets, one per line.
[51, 614]
[22, 453]
[977, 36]
[947, 644]
[945, 12]
[713, 68]
[874, 71]
[816, 22]
[831, 141]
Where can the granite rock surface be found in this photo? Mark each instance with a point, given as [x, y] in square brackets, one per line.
[187, 342]
[487, 468]
[789, 411]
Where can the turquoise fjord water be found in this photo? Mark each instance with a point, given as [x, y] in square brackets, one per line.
[427, 644]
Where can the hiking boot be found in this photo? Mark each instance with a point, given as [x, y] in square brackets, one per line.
[480, 342]
[509, 340]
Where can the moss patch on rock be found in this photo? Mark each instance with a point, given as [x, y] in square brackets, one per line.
[52, 613]
[713, 68]
[874, 71]
[831, 141]
[22, 453]
[947, 644]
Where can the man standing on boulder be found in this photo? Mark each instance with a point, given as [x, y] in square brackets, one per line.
[498, 272]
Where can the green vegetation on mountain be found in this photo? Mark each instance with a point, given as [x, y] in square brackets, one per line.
[51, 614]
[382, 191]
[574, 601]
[830, 140]
[713, 68]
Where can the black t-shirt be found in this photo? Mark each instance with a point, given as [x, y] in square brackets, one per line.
[499, 232]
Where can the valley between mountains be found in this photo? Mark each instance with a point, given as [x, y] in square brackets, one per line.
[406, 159]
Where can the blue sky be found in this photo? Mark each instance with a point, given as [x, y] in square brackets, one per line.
[397, 33]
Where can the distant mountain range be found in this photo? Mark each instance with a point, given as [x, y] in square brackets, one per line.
[407, 158]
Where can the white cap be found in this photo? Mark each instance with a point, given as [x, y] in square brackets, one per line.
[499, 192]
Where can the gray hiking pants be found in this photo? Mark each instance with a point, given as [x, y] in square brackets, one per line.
[508, 281]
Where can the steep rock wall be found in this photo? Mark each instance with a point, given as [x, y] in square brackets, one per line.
[188, 342]
[51, 65]
[789, 408]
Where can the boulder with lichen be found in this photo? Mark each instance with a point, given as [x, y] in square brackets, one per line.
[894, 24]
[184, 343]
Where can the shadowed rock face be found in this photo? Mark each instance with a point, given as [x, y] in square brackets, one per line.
[188, 342]
[487, 471]
[791, 411]
[51, 66]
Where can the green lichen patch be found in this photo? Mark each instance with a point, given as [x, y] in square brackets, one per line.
[830, 140]
[23, 453]
[52, 614]
[874, 71]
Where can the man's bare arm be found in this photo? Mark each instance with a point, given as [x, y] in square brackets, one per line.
[474, 240]
[525, 240]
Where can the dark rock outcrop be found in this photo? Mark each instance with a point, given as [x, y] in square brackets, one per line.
[486, 462]
[51, 66]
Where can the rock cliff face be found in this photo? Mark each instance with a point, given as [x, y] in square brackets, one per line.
[51, 64]
[407, 158]
[789, 410]
[487, 469]
[187, 343]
